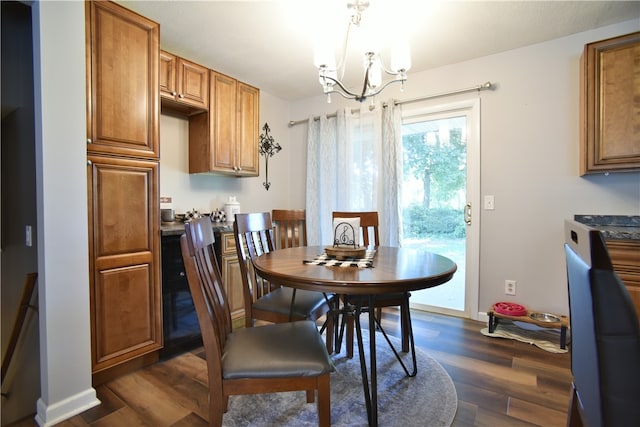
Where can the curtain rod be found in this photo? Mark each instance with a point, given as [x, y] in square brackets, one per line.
[484, 86]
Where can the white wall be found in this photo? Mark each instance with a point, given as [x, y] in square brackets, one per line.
[63, 266]
[529, 161]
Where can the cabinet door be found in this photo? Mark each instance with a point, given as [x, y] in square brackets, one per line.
[167, 77]
[223, 122]
[610, 112]
[193, 84]
[248, 105]
[122, 84]
[124, 259]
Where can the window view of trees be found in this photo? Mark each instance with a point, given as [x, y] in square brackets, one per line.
[434, 167]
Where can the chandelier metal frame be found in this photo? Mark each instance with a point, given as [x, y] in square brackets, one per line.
[371, 59]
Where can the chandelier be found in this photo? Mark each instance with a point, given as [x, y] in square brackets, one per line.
[372, 85]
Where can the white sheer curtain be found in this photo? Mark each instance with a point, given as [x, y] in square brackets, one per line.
[353, 165]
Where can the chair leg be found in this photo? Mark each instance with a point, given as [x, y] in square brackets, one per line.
[404, 320]
[331, 325]
[324, 401]
[311, 396]
[217, 410]
[349, 339]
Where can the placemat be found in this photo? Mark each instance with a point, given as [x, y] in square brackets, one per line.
[324, 259]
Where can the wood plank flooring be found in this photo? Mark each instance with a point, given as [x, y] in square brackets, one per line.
[499, 382]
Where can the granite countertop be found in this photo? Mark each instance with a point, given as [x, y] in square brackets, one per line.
[177, 228]
[613, 227]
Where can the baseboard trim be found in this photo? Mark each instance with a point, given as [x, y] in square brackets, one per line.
[48, 415]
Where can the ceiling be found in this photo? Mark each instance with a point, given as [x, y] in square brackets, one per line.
[269, 44]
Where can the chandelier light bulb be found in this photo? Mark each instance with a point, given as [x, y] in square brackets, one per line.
[400, 58]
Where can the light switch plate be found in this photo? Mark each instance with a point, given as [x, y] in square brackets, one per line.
[489, 203]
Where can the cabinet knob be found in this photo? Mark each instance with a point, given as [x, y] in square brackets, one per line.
[173, 94]
[182, 274]
[181, 96]
[89, 141]
[89, 162]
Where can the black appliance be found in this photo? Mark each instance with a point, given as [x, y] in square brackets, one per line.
[180, 322]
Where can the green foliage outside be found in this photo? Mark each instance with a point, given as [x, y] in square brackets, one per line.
[440, 166]
[420, 222]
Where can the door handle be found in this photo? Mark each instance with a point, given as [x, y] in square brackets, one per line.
[467, 213]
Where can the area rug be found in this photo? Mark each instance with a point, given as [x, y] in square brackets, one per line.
[544, 338]
[428, 399]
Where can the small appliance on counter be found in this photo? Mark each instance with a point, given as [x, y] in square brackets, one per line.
[167, 215]
[231, 208]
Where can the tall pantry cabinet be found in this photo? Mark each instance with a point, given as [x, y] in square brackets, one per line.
[123, 188]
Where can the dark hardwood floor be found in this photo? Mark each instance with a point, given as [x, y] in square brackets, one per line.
[499, 382]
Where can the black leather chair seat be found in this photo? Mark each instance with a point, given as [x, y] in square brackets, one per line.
[279, 301]
[276, 350]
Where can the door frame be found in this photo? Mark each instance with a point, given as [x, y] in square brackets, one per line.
[471, 108]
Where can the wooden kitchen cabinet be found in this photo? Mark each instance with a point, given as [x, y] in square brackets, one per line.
[184, 85]
[231, 276]
[126, 320]
[625, 257]
[609, 106]
[122, 81]
[226, 140]
[123, 189]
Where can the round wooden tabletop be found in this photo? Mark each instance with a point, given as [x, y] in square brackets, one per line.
[394, 270]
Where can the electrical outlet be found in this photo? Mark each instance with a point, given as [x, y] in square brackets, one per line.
[510, 287]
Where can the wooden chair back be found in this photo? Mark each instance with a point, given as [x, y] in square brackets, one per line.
[368, 225]
[291, 227]
[209, 297]
[254, 237]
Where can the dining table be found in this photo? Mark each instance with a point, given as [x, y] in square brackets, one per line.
[389, 270]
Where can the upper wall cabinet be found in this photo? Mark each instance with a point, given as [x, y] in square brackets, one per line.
[184, 85]
[610, 105]
[122, 84]
[225, 141]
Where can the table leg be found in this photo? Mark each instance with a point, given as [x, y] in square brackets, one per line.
[370, 388]
[372, 355]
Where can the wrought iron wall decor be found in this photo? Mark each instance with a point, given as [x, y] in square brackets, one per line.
[268, 147]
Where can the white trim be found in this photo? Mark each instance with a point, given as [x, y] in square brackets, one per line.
[64, 409]
[470, 108]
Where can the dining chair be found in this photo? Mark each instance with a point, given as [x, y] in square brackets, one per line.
[291, 227]
[605, 336]
[369, 223]
[268, 301]
[273, 358]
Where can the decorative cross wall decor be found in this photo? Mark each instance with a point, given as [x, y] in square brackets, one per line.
[268, 147]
